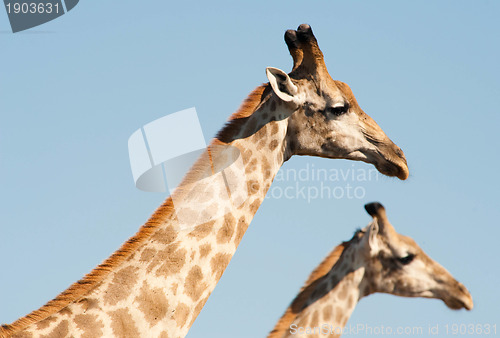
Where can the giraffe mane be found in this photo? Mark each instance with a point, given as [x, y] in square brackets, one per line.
[251, 104]
[305, 292]
[81, 287]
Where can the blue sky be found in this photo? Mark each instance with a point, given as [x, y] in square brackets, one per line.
[73, 91]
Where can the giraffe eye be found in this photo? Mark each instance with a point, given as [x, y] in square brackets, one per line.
[338, 110]
[406, 259]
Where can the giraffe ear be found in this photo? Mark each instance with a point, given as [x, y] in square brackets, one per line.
[373, 241]
[282, 86]
[376, 210]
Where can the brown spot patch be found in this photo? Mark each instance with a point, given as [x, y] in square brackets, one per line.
[247, 154]
[219, 263]
[181, 314]
[173, 260]
[121, 285]
[204, 250]
[315, 318]
[266, 168]
[261, 144]
[153, 304]
[164, 334]
[90, 325]
[226, 232]
[253, 187]
[165, 236]
[274, 128]
[61, 330]
[273, 144]
[122, 324]
[202, 230]
[261, 133]
[147, 255]
[343, 292]
[194, 286]
[242, 228]
[255, 206]
[43, 324]
[327, 313]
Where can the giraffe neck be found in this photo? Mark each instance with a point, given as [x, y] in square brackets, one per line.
[328, 298]
[162, 283]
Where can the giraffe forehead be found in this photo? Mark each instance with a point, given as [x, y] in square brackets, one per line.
[401, 245]
[330, 91]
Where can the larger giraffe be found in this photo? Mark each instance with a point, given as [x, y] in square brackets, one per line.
[156, 284]
[376, 259]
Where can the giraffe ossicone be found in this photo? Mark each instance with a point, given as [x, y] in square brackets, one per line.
[376, 259]
[158, 281]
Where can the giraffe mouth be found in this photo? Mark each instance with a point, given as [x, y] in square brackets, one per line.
[456, 299]
[387, 157]
[393, 162]
[392, 166]
[391, 169]
[458, 304]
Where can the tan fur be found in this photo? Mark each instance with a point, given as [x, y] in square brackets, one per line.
[78, 289]
[84, 285]
[255, 99]
[310, 136]
[283, 325]
[376, 259]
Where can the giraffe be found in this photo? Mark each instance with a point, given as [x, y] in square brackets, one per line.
[158, 281]
[376, 259]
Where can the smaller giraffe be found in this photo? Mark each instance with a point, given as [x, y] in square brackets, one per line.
[376, 259]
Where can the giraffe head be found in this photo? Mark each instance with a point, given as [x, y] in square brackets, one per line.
[397, 265]
[324, 118]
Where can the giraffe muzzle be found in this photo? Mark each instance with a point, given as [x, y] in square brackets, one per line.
[457, 297]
